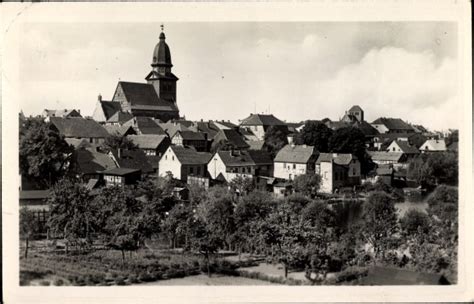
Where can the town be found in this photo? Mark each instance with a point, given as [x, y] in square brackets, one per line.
[135, 193]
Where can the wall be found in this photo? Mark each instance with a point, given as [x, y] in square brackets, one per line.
[168, 164]
[326, 173]
[284, 170]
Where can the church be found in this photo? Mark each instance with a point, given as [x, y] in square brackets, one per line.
[156, 98]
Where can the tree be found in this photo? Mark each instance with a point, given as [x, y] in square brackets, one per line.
[119, 142]
[307, 184]
[379, 222]
[415, 222]
[242, 184]
[177, 223]
[204, 241]
[44, 154]
[28, 227]
[275, 139]
[453, 136]
[222, 145]
[316, 134]
[72, 212]
[432, 169]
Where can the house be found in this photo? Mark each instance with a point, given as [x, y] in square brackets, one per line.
[105, 110]
[256, 144]
[66, 113]
[395, 159]
[229, 137]
[282, 189]
[378, 275]
[403, 146]
[119, 118]
[151, 144]
[356, 112]
[391, 125]
[248, 135]
[88, 163]
[382, 141]
[144, 125]
[121, 176]
[338, 171]
[234, 163]
[36, 202]
[171, 128]
[182, 161]
[190, 138]
[117, 130]
[131, 159]
[385, 173]
[80, 128]
[433, 145]
[258, 124]
[294, 160]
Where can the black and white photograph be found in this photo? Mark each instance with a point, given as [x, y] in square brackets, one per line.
[257, 153]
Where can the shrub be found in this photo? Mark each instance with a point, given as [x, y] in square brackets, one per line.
[350, 274]
[44, 283]
[120, 281]
[58, 282]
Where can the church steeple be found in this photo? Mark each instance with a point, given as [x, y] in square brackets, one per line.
[161, 76]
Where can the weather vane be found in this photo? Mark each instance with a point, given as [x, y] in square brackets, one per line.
[162, 27]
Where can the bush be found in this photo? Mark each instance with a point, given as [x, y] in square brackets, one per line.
[350, 274]
[44, 283]
[58, 282]
[120, 281]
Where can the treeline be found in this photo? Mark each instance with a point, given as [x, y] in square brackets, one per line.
[302, 233]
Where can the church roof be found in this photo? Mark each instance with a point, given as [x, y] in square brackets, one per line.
[142, 96]
[355, 108]
[110, 108]
[161, 53]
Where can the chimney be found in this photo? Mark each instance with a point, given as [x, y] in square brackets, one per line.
[79, 111]
[99, 98]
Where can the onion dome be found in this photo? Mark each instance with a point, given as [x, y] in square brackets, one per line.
[161, 54]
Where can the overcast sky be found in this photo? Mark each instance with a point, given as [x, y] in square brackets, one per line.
[296, 71]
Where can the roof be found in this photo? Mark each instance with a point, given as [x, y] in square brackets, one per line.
[406, 147]
[206, 127]
[245, 158]
[90, 161]
[77, 143]
[384, 170]
[392, 123]
[366, 128]
[233, 137]
[172, 127]
[434, 144]
[262, 120]
[110, 108]
[189, 156]
[120, 171]
[338, 158]
[191, 135]
[396, 276]
[296, 154]
[143, 96]
[132, 159]
[120, 117]
[385, 156]
[92, 183]
[256, 144]
[147, 141]
[79, 127]
[224, 125]
[34, 194]
[355, 108]
[146, 125]
[62, 113]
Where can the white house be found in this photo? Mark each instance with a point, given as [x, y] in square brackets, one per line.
[258, 124]
[433, 145]
[294, 160]
[183, 161]
[230, 164]
[337, 171]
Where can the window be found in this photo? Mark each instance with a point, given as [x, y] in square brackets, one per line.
[393, 149]
[294, 166]
[353, 171]
[198, 170]
[336, 175]
[166, 157]
[284, 165]
[172, 157]
[289, 176]
[191, 170]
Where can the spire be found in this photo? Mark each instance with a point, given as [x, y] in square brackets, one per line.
[162, 34]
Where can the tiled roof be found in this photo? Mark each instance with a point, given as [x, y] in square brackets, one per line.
[110, 108]
[262, 120]
[77, 143]
[434, 145]
[79, 127]
[223, 125]
[296, 154]
[355, 108]
[120, 117]
[191, 135]
[256, 144]
[145, 125]
[406, 147]
[392, 123]
[119, 130]
[172, 127]
[120, 171]
[366, 128]
[245, 158]
[132, 159]
[62, 113]
[338, 158]
[385, 156]
[189, 156]
[233, 137]
[89, 161]
[205, 127]
[147, 141]
[143, 96]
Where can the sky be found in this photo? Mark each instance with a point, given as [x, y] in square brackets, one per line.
[294, 70]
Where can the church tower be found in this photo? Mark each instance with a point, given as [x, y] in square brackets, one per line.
[161, 77]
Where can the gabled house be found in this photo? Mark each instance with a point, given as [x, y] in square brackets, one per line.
[121, 176]
[119, 118]
[382, 141]
[234, 163]
[131, 159]
[404, 147]
[88, 163]
[396, 159]
[338, 171]
[258, 124]
[391, 125]
[172, 127]
[183, 161]
[230, 137]
[294, 160]
[151, 144]
[65, 113]
[117, 130]
[433, 145]
[144, 125]
[105, 110]
[190, 138]
[80, 128]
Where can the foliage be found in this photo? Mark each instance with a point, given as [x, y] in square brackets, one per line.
[307, 184]
[44, 154]
[453, 136]
[316, 134]
[28, 227]
[432, 169]
[379, 224]
[396, 193]
[415, 222]
[118, 142]
[275, 139]
[242, 184]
